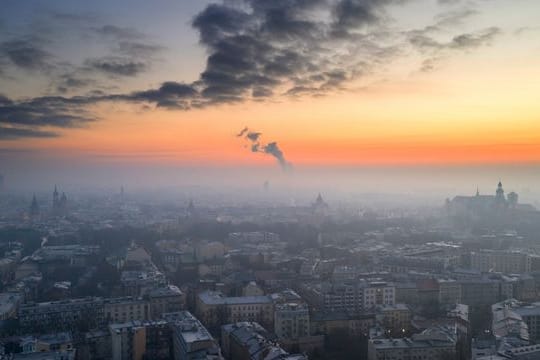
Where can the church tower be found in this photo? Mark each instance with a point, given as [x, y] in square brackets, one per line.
[34, 208]
[56, 199]
[499, 194]
[191, 212]
[63, 202]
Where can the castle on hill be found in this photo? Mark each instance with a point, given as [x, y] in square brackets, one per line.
[487, 204]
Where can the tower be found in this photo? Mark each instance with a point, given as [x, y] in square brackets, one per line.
[190, 210]
[34, 207]
[63, 202]
[320, 207]
[499, 194]
[512, 199]
[56, 199]
[500, 199]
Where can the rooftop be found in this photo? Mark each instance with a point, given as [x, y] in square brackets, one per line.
[217, 298]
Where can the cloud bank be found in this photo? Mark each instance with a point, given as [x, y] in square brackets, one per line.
[257, 50]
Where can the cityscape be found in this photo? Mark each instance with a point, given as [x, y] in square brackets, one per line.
[270, 180]
[116, 277]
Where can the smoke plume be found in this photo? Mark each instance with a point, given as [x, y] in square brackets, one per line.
[271, 148]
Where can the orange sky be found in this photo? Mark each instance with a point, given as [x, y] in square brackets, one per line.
[480, 106]
[416, 121]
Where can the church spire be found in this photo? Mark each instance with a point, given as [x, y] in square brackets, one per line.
[499, 194]
[34, 207]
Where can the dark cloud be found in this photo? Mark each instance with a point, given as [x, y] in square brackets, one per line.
[170, 95]
[466, 41]
[471, 41]
[70, 82]
[453, 18]
[216, 22]
[131, 52]
[26, 54]
[353, 14]
[257, 49]
[55, 111]
[74, 18]
[13, 133]
[436, 51]
[138, 49]
[118, 33]
[117, 66]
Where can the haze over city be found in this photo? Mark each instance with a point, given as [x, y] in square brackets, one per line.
[270, 180]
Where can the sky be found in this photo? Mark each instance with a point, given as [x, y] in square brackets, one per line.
[137, 87]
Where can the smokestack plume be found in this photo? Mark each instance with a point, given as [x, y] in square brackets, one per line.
[271, 148]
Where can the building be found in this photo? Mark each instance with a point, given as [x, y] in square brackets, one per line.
[406, 292]
[476, 292]
[124, 309]
[349, 296]
[60, 342]
[59, 204]
[529, 313]
[53, 257]
[449, 292]
[128, 341]
[252, 289]
[89, 313]
[341, 322]
[139, 282]
[191, 340]
[49, 355]
[501, 261]
[291, 321]
[214, 309]
[95, 346]
[395, 318]
[9, 305]
[255, 237]
[53, 346]
[486, 206]
[61, 315]
[137, 340]
[378, 293]
[249, 341]
[165, 299]
[437, 343]
[507, 323]
[205, 251]
[34, 208]
[228, 329]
